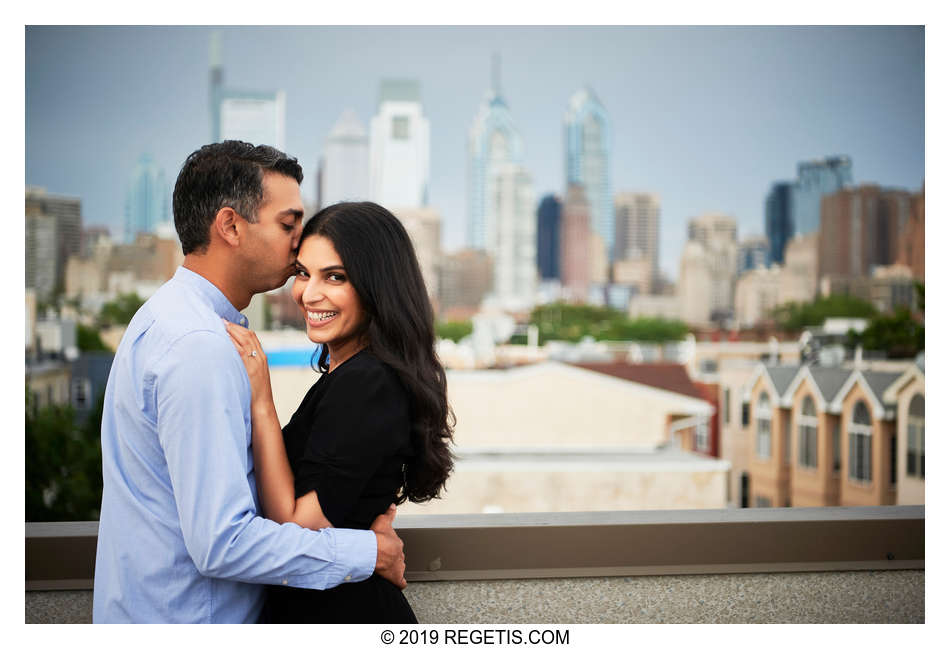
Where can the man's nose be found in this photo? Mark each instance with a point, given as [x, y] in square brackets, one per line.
[297, 232]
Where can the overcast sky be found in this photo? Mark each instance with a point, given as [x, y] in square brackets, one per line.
[706, 117]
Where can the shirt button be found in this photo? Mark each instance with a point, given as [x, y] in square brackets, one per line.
[347, 578]
[284, 582]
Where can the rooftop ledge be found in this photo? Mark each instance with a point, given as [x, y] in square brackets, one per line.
[61, 556]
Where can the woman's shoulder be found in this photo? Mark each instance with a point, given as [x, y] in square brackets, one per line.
[366, 371]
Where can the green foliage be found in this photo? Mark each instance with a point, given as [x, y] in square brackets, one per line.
[795, 316]
[898, 334]
[63, 462]
[453, 330]
[88, 339]
[570, 322]
[919, 290]
[120, 310]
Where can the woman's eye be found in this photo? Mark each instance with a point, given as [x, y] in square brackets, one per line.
[301, 273]
[336, 277]
[287, 228]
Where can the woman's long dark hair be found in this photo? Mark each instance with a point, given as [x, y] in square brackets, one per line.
[381, 264]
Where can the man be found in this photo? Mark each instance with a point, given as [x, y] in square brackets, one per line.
[179, 535]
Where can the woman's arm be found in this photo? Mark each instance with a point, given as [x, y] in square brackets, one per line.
[275, 480]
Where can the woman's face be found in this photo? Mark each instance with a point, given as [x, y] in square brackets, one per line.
[323, 291]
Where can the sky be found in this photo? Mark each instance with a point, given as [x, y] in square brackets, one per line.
[705, 117]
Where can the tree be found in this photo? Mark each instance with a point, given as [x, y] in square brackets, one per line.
[453, 330]
[63, 463]
[795, 316]
[560, 321]
[88, 339]
[120, 310]
[898, 334]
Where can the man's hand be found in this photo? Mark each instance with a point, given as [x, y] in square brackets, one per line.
[390, 559]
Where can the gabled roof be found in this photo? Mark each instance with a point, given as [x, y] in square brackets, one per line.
[824, 381]
[665, 376]
[781, 376]
[778, 378]
[912, 372]
[874, 384]
[828, 380]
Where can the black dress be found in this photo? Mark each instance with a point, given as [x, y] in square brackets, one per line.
[348, 441]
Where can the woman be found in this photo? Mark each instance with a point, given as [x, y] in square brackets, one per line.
[375, 429]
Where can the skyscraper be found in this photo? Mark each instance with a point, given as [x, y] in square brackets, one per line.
[254, 116]
[752, 254]
[717, 234]
[146, 199]
[861, 228]
[779, 224]
[817, 178]
[399, 147]
[501, 200]
[637, 229]
[575, 244]
[344, 167]
[53, 234]
[587, 159]
[549, 237]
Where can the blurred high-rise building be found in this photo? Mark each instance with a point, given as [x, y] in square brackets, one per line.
[575, 244]
[53, 234]
[147, 199]
[716, 233]
[344, 166]
[779, 226]
[253, 116]
[694, 288]
[587, 159]
[753, 253]
[465, 278]
[861, 229]
[638, 230]
[910, 249]
[549, 237]
[399, 147]
[816, 179]
[712, 227]
[501, 200]
[424, 225]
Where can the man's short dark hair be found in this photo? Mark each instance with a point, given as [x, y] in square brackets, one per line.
[224, 174]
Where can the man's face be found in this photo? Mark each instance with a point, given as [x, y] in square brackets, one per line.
[271, 242]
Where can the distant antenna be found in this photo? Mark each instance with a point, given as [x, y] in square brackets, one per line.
[496, 73]
[217, 73]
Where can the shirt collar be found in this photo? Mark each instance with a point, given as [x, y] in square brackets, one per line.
[222, 306]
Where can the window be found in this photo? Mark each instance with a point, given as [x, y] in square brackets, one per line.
[762, 501]
[400, 127]
[915, 437]
[745, 414]
[836, 446]
[708, 366]
[763, 418]
[701, 435]
[859, 443]
[808, 435]
[725, 406]
[81, 389]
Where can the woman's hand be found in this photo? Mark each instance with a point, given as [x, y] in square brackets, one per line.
[255, 362]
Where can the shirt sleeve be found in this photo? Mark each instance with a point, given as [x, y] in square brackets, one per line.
[361, 420]
[202, 396]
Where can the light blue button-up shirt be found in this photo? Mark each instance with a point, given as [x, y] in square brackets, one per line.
[180, 539]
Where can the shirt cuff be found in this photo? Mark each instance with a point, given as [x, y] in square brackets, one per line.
[355, 549]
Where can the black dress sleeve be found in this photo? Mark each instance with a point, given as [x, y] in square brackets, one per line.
[361, 420]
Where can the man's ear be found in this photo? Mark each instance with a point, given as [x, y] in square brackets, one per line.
[227, 226]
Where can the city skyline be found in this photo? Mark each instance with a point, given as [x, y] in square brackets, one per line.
[705, 117]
